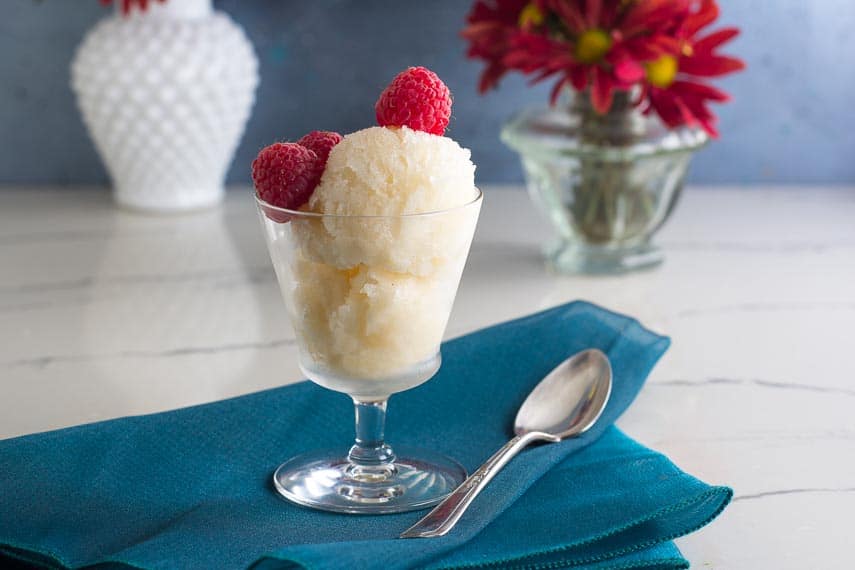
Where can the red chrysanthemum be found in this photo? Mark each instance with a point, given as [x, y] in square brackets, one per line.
[491, 27]
[607, 45]
[672, 89]
[600, 45]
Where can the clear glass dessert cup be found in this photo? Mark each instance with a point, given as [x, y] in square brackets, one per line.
[369, 298]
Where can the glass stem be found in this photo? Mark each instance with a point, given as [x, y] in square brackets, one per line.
[370, 450]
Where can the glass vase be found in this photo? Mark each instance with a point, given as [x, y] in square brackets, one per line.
[606, 182]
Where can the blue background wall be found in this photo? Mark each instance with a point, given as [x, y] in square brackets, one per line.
[323, 63]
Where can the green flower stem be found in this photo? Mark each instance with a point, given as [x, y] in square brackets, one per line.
[608, 206]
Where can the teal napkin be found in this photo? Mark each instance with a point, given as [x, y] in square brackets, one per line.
[191, 488]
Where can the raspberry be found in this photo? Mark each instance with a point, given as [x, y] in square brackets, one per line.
[321, 142]
[416, 98]
[285, 175]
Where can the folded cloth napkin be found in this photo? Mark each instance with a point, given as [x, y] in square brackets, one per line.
[192, 488]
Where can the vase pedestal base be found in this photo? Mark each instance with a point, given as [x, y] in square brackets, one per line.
[173, 201]
[328, 481]
[570, 258]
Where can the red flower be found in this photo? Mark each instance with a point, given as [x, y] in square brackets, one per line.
[127, 5]
[607, 45]
[672, 88]
[491, 27]
[602, 44]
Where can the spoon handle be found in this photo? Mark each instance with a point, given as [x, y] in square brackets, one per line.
[446, 514]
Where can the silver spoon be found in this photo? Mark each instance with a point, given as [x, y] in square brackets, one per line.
[564, 404]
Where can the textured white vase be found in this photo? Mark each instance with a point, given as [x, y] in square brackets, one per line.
[165, 95]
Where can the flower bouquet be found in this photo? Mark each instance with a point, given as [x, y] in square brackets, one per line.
[629, 106]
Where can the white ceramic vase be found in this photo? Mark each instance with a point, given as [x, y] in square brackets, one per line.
[165, 95]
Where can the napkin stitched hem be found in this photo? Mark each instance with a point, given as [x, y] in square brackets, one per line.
[708, 494]
[24, 553]
[50, 560]
[677, 563]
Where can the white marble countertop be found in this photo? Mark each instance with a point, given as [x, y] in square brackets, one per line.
[104, 313]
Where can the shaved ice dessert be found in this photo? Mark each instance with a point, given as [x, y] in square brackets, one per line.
[369, 234]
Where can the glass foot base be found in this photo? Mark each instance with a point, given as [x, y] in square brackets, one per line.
[328, 481]
[570, 258]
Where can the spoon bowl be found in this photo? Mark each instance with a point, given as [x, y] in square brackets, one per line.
[570, 399]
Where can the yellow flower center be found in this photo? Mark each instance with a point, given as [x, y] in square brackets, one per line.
[661, 72]
[686, 49]
[531, 16]
[592, 45]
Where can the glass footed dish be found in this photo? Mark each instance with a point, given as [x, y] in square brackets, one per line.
[369, 298]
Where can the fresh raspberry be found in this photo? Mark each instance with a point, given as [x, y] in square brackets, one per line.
[416, 98]
[285, 174]
[321, 142]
